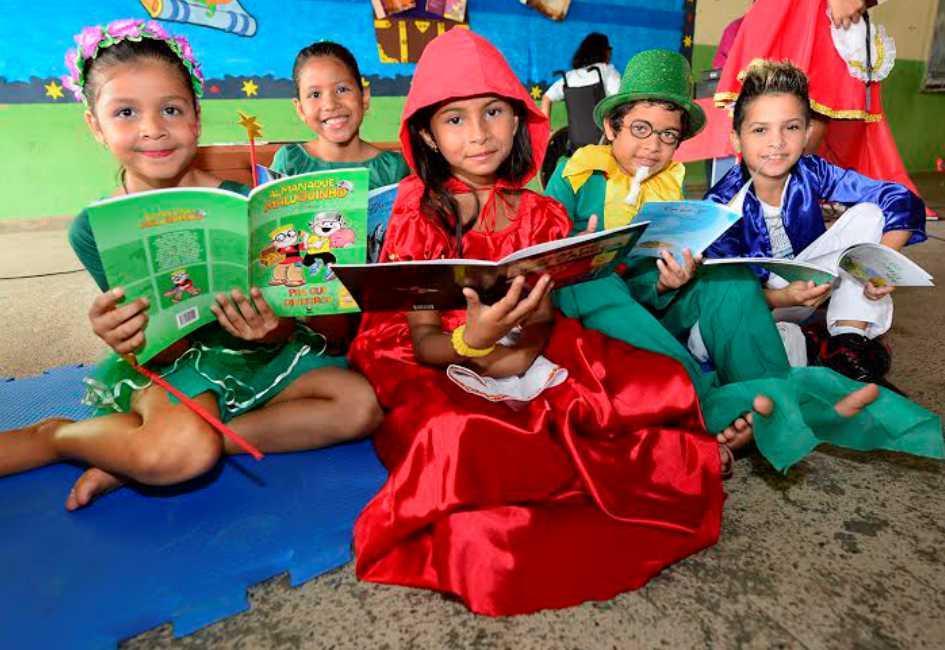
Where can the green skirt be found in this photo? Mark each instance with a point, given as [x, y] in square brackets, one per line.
[803, 398]
[242, 376]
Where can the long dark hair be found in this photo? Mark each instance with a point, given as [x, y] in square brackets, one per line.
[434, 170]
[593, 49]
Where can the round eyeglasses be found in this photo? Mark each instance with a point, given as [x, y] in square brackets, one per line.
[641, 130]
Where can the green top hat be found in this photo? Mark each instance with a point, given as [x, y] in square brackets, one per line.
[660, 75]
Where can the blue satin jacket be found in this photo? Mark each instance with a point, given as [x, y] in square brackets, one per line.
[812, 180]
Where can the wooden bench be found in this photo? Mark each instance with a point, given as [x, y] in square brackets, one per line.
[231, 161]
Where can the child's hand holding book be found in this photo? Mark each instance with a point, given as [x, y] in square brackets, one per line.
[487, 324]
[121, 327]
[250, 319]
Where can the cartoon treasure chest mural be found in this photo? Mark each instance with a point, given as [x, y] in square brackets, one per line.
[402, 39]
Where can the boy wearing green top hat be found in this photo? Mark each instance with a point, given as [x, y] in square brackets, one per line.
[654, 305]
[722, 309]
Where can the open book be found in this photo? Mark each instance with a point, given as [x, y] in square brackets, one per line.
[865, 262]
[180, 247]
[439, 284]
[676, 225]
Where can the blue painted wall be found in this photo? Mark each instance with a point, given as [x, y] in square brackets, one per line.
[36, 38]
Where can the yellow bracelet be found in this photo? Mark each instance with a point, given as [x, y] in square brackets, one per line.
[463, 349]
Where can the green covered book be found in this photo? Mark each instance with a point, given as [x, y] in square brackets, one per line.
[180, 247]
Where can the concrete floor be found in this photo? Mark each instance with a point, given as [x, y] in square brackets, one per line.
[844, 552]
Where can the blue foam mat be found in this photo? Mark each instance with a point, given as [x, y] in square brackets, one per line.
[140, 557]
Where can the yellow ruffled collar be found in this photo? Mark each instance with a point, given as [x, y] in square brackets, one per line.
[664, 186]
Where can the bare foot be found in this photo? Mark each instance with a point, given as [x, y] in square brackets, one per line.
[740, 432]
[856, 401]
[94, 482]
[727, 461]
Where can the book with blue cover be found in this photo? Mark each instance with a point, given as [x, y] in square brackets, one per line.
[677, 225]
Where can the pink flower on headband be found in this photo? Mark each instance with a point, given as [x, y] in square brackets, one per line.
[157, 31]
[185, 50]
[88, 41]
[91, 40]
[71, 86]
[71, 65]
[124, 28]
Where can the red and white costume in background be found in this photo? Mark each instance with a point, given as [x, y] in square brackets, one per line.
[588, 490]
[858, 136]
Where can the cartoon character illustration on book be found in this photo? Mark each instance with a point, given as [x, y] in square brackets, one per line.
[862, 273]
[285, 256]
[327, 230]
[183, 286]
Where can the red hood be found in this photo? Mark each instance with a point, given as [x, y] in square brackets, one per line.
[461, 63]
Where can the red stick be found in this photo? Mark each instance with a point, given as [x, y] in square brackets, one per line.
[199, 410]
[252, 160]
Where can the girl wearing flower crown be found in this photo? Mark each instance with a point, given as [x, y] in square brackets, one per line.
[600, 472]
[141, 88]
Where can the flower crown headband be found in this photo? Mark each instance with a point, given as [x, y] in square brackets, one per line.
[92, 40]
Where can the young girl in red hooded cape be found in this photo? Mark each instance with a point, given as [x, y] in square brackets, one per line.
[583, 491]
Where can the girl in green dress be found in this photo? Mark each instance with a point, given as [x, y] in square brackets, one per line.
[263, 375]
[331, 101]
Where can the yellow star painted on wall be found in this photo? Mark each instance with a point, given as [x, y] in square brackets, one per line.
[250, 88]
[253, 127]
[536, 92]
[687, 41]
[53, 90]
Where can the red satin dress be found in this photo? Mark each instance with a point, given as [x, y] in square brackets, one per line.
[587, 491]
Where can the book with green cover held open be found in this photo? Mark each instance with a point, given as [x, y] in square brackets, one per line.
[180, 247]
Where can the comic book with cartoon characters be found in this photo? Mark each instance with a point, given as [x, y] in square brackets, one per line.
[866, 262]
[180, 247]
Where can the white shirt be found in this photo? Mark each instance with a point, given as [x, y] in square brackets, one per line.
[780, 242]
[585, 77]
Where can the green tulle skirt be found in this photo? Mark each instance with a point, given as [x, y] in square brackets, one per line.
[241, 375]
[804, 398]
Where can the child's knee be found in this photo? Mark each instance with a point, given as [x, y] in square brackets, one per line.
[869, 221]
[174, 455]
[366, 412]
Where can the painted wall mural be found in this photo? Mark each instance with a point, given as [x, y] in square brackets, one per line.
[227, 15]
[256, 40]
[53, 167]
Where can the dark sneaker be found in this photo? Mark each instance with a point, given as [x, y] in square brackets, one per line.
[815, 334]
[855, 356]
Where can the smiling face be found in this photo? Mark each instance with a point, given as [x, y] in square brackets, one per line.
[773, 134]
[284, 237]
[326, 223]
[144, 113]
[632, 149]
[331, 101]
[474, 135]
[179, 277]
